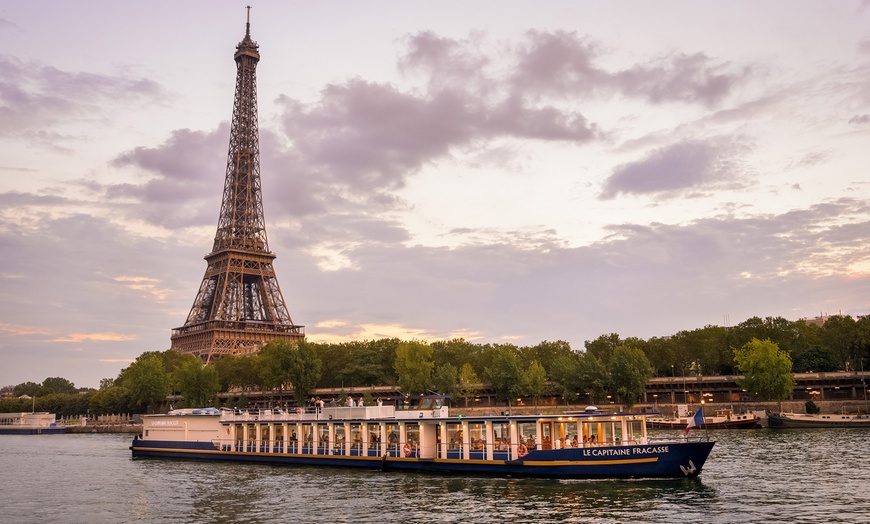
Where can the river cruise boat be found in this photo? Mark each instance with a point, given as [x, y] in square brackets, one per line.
[39, 423]
[722, 419]
[817, 420]
[418, 434]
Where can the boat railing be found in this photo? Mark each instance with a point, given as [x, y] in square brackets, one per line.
[310, 413]
[335, 448]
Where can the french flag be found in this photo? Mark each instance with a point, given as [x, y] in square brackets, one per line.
[696, 420]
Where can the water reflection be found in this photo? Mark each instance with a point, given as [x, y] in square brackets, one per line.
[751, 476]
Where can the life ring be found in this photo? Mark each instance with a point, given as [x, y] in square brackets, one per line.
[522, 450]
[406, 449]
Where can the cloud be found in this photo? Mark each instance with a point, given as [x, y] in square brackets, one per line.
[565, 64]
[683, 168]
[183, 177]
[99, 337]
[643, 280]
[34, 96]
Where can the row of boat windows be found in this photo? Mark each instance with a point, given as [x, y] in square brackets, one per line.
[371, 435]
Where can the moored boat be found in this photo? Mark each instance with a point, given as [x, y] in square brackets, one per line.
[39, 423]
[722, 419]
[418, 434]
[817, 420]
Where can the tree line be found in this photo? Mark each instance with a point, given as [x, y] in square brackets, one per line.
[607, 366]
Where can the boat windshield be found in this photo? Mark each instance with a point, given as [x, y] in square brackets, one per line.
[417, 403]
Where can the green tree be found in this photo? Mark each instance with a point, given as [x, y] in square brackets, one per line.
[173, 364]
[842, 336]
[111, 400]
[503, 374]
[31, 389]
[816, 359]
[275, 363]
[414, 367]
[147, 381]
[198, 384]
[629, 371]
[446, 379]
[767, 370]
[57, 385]
[305, 371]
[593, 375]
[534, 381]
[603, 347]
[456, 352]
[468, 382]
[545, 353]
[565, 376]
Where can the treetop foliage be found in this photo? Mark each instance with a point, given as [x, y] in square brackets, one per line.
[608, 365]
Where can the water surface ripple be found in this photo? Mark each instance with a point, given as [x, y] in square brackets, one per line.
[752, 476]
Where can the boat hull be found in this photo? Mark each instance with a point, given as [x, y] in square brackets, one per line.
[670, 460]
[31, 431]
[729, 424]
[776, 420]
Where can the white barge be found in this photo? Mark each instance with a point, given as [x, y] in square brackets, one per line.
[418, 434]
[38, 423]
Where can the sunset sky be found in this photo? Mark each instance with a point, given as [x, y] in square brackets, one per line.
[502, 171]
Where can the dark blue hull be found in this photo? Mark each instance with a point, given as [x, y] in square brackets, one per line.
[31, 431]
[671, 460]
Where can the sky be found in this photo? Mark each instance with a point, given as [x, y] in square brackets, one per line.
[501, 171]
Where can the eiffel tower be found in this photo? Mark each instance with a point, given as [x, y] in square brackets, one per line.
[239, 306]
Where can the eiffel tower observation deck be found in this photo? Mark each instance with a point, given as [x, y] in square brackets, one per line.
[239, 307]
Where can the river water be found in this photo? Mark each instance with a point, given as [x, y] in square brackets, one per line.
[752, 476]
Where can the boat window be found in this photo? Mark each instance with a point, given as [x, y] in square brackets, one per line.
[527, 433]
[477, 436]
[591, 433]
[454, 436]
[392, 432]
[374, 435]
[501, 435]
[426, 403]
[339, 436]
[617, 433]
[566, 434]
[307, 434]
[323, 435]
[635, 430]
[412, 433]
[356, 433]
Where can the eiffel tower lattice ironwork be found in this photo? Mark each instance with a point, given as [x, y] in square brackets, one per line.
[239, 306]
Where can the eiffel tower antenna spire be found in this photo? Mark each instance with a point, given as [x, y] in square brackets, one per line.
[239, 306]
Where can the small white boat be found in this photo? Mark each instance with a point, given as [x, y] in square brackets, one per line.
[723, 419]
[29, 424]
[817, 420]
